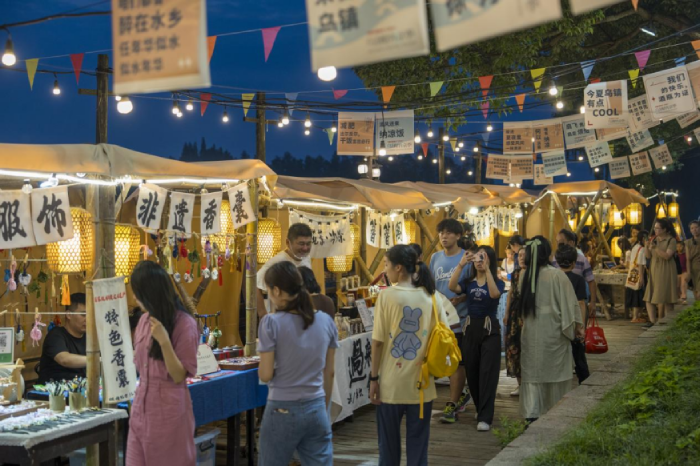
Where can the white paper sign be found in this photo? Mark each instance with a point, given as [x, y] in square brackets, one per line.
[548, 135]
[395, 129]
[399, 227]
[517, 137]
[554, 163]
[610, 134]
[372, 231]
[540, 177]
[150, 206]
[330, 235]
[51, 215]
[619, 168]
[694, 75]
[210, 214]
[357, 32]
[599, 154]
[7, 345]
[582, 6]
[640, 116]
[356, 133]
[640, 140]
[206, 361]
[640, 163]
[661, 156]
[457, 23]
[606, 104]
[241, 208]
[669, 93]
[181, 212]
[114, 337]
[386, 239]
[688, 119]
[366, 314]
[575, 133]
[16, 230]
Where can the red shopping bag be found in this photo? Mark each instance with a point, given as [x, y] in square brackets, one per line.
[595, 338]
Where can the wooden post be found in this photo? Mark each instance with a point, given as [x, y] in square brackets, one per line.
[591, 206]
[557, 203]
[251, 275]
[599, 226]
[377, 260]
[362, 268]
[441, 156]
[363, 238]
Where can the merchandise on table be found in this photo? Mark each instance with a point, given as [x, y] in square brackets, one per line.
[240, 364]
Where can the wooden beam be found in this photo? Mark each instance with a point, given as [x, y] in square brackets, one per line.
[587, 213]
[251, 275]
[557, 203]
[377, 260]
[598, 224]
[362, 267]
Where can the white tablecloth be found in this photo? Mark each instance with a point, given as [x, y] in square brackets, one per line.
[351, 384]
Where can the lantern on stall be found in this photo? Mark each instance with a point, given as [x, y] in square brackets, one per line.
[660, 210]
[269, 239]
[589, 220]
[673, 209]
[634, 213]
[615, 248]
[342, 264]
[222, 239]
[126, 250]
[411, 229]
[73, 255]
[617, 217]
[573, 221]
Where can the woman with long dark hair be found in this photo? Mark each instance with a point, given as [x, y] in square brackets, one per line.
[513, 322]
[551, 320]
[662, 289]
[481, 346]
[161, 424]
[403, 322]
[297, 354]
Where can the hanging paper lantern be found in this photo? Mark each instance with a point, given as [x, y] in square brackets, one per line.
[589, 220]
[411, 229]
[126, 249]
[617, 217]
[634, 214]
[615, 248]
[673, 209]
[227, 233]
[342, 264]
[73, 255]
[660, 211]
[573, 222]
[269, 239]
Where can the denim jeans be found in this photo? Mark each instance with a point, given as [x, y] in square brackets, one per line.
[303, 426]
[389, 418]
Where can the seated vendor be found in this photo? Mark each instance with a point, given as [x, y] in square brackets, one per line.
[63, 353]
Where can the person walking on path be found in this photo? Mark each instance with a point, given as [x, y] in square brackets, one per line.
[682, 257]
[297, 359]
[692, 250]
[513, 322]
[634, 292]
[662, 290]
[582, 268]
[551, 321]
[403, 322]
[481, 347]
[161, 423]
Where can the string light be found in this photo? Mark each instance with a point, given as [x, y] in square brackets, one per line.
[307, 132]
[117, 98]
[689, 139]
[285, 117]
[190, 105]
[460, 145]
[125, 105]
[470, 173]
[664, 167]
[553, 90]
[446, 137]
[280, 124]
[583, 110]
[9, 58]
[580, 158]
[474, 210]
[476, 148]
[382, 149]
[457, 149]
[420, 157]
[391, 159]
[434, 160]
[176, 107]
[327, 73]
[560, 104]
[225, 117]
[448, 171]
[596, 169]
[489, 127]
[417, 139]
[179, 114]
[568, 174]
[430, 132]
[56, 88]
[307, 122]
[334, 128]
[533, 139]
[463, 158]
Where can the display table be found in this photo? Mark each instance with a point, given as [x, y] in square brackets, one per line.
[351, 384]
[611, 288]
[66, 433]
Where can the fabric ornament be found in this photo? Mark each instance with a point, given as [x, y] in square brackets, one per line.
[65, 291]
[35, 334]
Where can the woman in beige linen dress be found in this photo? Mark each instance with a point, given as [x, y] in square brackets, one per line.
[662, 290]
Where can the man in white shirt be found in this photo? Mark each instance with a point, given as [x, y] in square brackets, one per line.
[299, 241]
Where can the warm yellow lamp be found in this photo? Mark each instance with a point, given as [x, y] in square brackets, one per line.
[342, 264]
[615, 248]
[673, 209]
[589, 220]
[660, 211]
[617, 217]
[634, 214]
[126, 249]
[269, 239]
[677, 227]
[223, 238]
[411, 230]
[73, 255]
[573, 222]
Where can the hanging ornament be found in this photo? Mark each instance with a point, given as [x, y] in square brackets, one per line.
[188, 278]
[168, 255]
[220, 263]
[205, 272]
[176, 277]
[35, 334]
[11, 283]
[65, 291]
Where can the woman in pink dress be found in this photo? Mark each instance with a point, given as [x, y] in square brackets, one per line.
[161, 428]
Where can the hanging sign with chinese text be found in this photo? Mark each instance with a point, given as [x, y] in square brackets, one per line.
[114, 337]
[669, 93]
[357, 32]
[16, 230]
[661, 156]
[150, 207]
[51, 215]
[640, 140]
[610, 134]
[521, 167]
[554, 163]
[373, 230]
[241, 208]
[619, 168]
[639, 114]
[688, 119]
[606, 104]
[399, 227]
[209, 217]
[540, 178]
[159, 45]
[330, 235]
[497, 167]
[356, 133]
[599, 154]
[575, 133]
[548, 135]
[181, 212]
[517, 138]
[395, 129]
[694, 75]
[640, 163]
[386, 238]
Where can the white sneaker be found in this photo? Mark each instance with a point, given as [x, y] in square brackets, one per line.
[483, 427]
[515, 392]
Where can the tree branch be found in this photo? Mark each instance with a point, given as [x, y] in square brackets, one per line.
[614, 43]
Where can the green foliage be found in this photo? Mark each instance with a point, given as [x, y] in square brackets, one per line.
[510, 430]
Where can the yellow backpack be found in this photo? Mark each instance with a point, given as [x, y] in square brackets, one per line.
[442, 356]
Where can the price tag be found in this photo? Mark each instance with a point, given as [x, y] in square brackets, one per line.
[206, 361]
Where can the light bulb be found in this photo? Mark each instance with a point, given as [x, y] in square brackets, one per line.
[476, 148]
[689, 139]
[434, 160]
[280, 124]
[583, 110]
[307, 122]
[430, 132]
[460, 145]
[533, 139]
[568, 173]
[125, 105]
[417, 139]
[463, 158]
[664, 167]
[49, 183]
[474, 210]
[327, 73]
[517, 185]
[580, 158]
[553, 90]
[27, 187]
[190, 105]
[176, 107]
[518, 214]
[391, 159]
[470, 173]
[489, 128]
[420, 157]
[448, 171]
[457, 149]
[285, 117]
[117, 98]
[560, 104]
[56, 88]
[179, 114]
[511, 185]
[382, 149]
[596, 169]
[334, 129]
[9, 58]
[446, 137]
[307, 132]
[225, 117]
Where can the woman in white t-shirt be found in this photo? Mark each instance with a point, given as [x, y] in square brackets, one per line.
[634, 299]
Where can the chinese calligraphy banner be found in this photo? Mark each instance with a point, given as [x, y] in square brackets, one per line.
[610, 134]
[582, 6]
[599, 154]
[386, 239]
[548, 135]
[640, 163]
[619, 168]
[521, 168]
[114, 337]
[356, 133]
[374, 224]
[358, 32]
[51, 216]
[661, 156]
[639, 114]
[159, 45]
[540, 178]
[458, 23]
[330, 234]
[181, 212]
[353, 362]
[554, 163]
[150, 207]
[497, 167]
[694, 75]
[400, 234]
[688, 119]
[16, 229]
[241, 208]
[517, 138]
[640, 140]
[396, 130]
[575, 133]
[606, 104]
[669, 93]
[209, 217]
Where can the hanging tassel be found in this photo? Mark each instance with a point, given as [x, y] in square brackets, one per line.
[65, 291]
[220, 261]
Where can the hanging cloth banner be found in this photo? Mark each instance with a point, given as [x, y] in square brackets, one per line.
[554, 163]
[485, 83]
[619, 168]
[634, 76]
[688, 119]
[159, 46]
[497, 167]
[399, 227]
[485, 109]
[640, 117]
[355, 32]
[435, 88]
[76, 60]
[582, 6]
[16, 229]
[537, 76]
[599, 154]
[247, 99]
[576, 135]
[642, 58]
[640, 140]
[211, 44]
[396, 130]
[242, 212]
[587, 68]
[606, 104]
[386, 238]
[181, 212]
[331, 135]
[373, 229]
[661, 156]
[150, 207]
[338, 94]
[694, 75]
[453, 143]
[425, 146]
[610, 134]
[540, 178]
[387, 92]
[356, 133]
[669, 93]
[520, 99]
[517, 138]
[548, 135]
[330, 234]
[640, 163]
[291, 98]
[269, 36]
[51, 215]
[204, 99]
[114, 338]
[31, 65]
[521, 167]
[210, 215]
[456, 24]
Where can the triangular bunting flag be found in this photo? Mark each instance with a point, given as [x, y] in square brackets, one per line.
[339, 94]
[247, 99]
[634, 74]
[587, 68]
[269, 36]
[696, 46]
[485, 83]
[77, 60]
[635, 4]
[435, 88]
[425, 146]
[595, 80]
[485, 136]
[211, 43]
[537, 77]
[31, 64]
[485, 109]
[453, 143]
[204, 99]
[642, 58]
[520, 99]
[387, 92]
[291, 98]
[680, 61]
[331, 135]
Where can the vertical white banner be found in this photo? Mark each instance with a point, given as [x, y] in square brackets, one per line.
[387, 235]
[210, 213]
[373, 229]
[181, 212]
[241, 207]
[399, 226]
[51, 215]
[16, 230]
[150, 207]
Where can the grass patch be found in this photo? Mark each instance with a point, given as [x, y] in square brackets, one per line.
[510, 430]
[652, 418]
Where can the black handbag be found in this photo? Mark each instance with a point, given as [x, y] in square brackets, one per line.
[578, 349]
